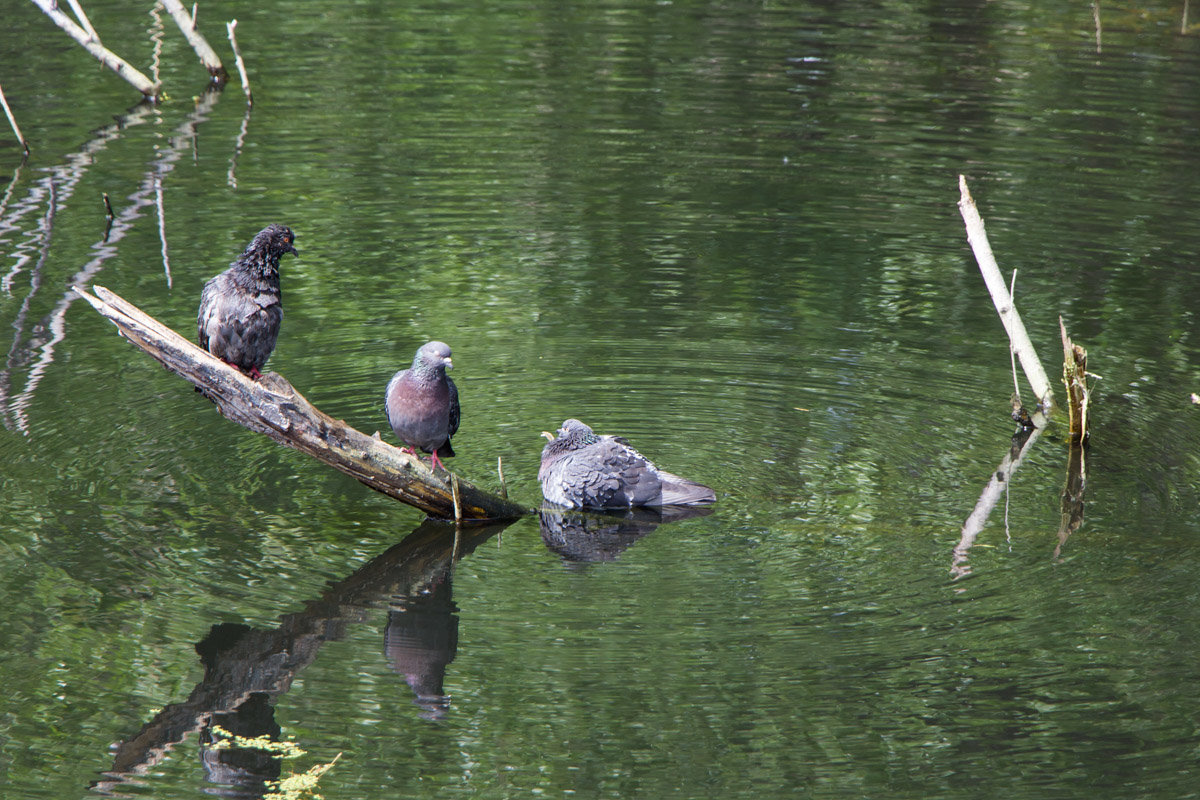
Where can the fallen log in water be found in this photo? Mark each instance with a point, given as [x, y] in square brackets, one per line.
[273, 407]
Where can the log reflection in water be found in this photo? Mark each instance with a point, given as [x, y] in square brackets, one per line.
[251, 665]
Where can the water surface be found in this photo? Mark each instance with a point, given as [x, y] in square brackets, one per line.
[725, 231]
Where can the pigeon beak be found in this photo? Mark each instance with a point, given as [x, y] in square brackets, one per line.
[548, 435]
[449, 364]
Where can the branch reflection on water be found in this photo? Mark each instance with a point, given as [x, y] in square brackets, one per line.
[246, 669]
[1072, 495]
[37, 346]
[1022, 443]
[1072, 500]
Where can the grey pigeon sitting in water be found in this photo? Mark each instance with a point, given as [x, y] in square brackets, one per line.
[422, 403]
[240, 309]
[583, 470]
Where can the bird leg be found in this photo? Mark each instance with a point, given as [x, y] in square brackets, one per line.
[252, 372]
[436, 462]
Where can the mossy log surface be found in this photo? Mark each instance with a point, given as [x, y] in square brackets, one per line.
[272, 406]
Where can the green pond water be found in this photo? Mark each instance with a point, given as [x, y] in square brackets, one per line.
[727, 231]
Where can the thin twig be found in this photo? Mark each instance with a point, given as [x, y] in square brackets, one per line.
[108, 216]
[1096, 17]
[13, 121]
[1012, 354]
[84, 22]
[237, 59]
[500, 470]
[454, 497]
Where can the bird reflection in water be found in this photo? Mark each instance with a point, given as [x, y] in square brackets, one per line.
[586, 536]
[237, 771]
[421, 640]
[241, 771]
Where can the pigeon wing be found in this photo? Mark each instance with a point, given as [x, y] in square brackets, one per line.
[236, 327]
[207, 318]
[452, 427]
[639, 483]
[607, 474]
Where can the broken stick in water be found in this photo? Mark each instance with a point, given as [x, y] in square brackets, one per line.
[237, 58]
[13, 121]
[187, 26]
[91, 43]
[1075, 379]
[1017, 336]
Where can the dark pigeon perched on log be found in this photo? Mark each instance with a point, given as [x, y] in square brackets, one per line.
[240, 309]
[422, 403]
[583, 470]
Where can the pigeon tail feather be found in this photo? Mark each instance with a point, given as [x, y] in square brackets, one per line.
[677, 491]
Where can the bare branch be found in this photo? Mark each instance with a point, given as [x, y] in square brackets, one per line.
[13, 121]
[99, 51]
[82, 16]
[237, 58]
[1017, 336]
[187, 24]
